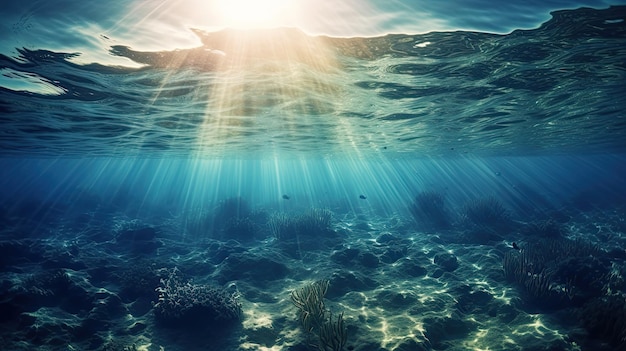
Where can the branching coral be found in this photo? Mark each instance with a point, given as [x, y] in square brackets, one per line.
[184, 304]
[138, 279]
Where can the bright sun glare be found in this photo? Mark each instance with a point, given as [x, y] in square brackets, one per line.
[252, 13]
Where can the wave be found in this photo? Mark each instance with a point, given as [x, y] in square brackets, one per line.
[554, 89]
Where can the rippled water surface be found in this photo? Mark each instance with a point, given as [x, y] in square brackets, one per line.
[555, 89]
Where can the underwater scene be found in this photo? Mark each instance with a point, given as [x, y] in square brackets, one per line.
[352, 175]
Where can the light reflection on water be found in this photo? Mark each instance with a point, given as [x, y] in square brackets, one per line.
[263, 92]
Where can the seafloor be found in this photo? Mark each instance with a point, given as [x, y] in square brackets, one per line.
[478, 278]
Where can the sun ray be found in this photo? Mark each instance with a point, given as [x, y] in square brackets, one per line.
[252, 13]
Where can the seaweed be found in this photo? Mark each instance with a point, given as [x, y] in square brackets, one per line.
[316, 320]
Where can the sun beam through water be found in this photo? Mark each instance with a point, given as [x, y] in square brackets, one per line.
[253, 13]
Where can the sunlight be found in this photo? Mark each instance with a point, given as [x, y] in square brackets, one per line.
[253, 13]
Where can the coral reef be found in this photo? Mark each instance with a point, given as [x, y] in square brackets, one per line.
[138, 280]
[183, 304]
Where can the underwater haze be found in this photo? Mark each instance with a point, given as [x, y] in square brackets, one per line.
[313, 175]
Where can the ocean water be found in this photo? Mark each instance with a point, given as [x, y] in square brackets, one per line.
[354, 176]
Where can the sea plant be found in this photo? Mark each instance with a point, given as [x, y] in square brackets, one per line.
[429, 211]
[557, 272]
[486, 212]
[313, 223]
[281, 226]
[324, 332]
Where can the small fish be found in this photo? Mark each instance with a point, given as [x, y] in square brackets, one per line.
[286, 197]
[498, 174]
[362, 197]
[515, 246]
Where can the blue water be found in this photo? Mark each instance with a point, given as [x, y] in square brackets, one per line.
[152, 135]
[555, 89]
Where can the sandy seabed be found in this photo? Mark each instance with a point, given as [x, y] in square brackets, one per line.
[89, 281]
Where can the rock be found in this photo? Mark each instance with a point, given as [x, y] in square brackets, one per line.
[446, 261]
[411, 268]
[344, 256]
[344, 282]
[368, 260]
[392, 254]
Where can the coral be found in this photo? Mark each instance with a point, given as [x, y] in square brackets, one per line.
[118, 346]
[49, 283]
[316, 320]
[138, 280]
[184, 304]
